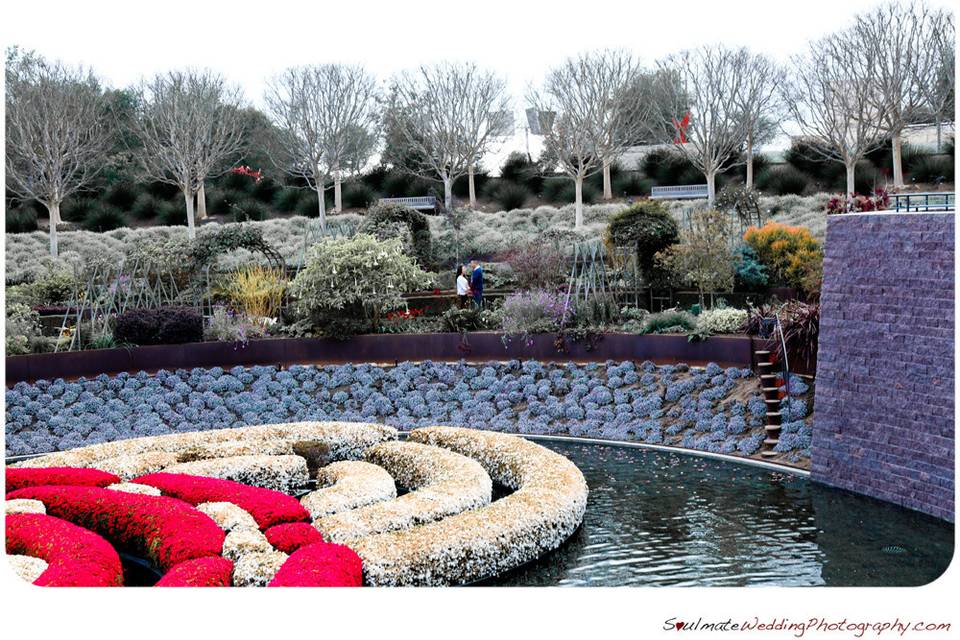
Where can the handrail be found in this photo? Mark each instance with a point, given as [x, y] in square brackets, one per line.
[917, 202]
[783, 346]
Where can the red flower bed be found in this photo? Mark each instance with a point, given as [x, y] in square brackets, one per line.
[291, 536]
[165, 530]
[199, 572]
[322, 564]
[268, 507]
[75, 556]
[18, 478]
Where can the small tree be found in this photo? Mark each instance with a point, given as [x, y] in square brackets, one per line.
[703, 257]
[56, 141]
[757, 101]
[189, 128]
[936, 69]
[589, 111]
[832, 96]
[896, 35]
[327, 119]
[442, 119]
[706, 85]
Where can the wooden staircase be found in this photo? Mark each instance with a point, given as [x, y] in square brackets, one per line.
[771, 395]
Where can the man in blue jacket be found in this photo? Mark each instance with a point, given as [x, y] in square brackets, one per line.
[476, 283]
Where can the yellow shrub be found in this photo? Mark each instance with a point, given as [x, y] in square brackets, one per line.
[257, 291]
[790, 254]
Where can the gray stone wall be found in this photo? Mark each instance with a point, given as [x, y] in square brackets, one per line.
[884, 419]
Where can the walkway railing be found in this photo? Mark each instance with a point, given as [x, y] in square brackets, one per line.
[922, 202]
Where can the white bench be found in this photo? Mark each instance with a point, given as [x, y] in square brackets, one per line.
[420, 202]
[680, 192]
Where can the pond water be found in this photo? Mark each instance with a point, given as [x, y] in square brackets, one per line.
[666, 519]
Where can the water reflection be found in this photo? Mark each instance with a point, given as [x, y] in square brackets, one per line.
[663, 519]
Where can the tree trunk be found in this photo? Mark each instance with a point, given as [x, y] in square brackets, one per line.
[472, 187]
[851, 169]
[749, 161]
[896, 143]
[321, 207]
[191, 225]
[607, 186]
[447, 193]
[202, 203]
[337, 193]
[578, 220]
[939, 134]
[54, 213]
[711, 188]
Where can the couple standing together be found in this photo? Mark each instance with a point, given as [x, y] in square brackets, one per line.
[470, 286]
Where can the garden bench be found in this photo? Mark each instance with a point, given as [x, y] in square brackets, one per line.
[679, 192]
[419, 202]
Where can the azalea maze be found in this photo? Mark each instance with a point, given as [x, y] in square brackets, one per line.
[296, 504]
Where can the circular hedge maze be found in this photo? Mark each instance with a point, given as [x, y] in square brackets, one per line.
[300, 504]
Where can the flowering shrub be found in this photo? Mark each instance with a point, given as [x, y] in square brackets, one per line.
[320, 565]
[721, 320]
[791, 254]
[165, 530]
[539, 311]
[267, 507]
[199, 572]
[17, 478]
[75, 557]
[291, 536]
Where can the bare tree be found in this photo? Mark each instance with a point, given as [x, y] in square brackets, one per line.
[189, 126]
[895, 33]
[591, 108]
[327, 117]
[936, 68]
[56, 141]
[833, 98]
[757, 100]
[445, 117]
[705, 84]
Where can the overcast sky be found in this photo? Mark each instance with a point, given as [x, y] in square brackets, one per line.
[250, 41]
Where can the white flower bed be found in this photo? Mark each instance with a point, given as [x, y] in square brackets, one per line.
[136, 465]
[22, 505]
[27, 567]
[546, 508]
[242, 542]
[133, 487]
[346, 441]
[257, 569]
[280, 473]
[351, 484]
[228, 516]
[442, 483]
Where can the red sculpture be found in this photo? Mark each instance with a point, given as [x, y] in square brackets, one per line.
[244, 170]
[681, 127]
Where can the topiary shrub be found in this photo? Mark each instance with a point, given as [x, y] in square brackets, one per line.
[782, 181]
[383, 214]
[360, 274]
[806, 156]
[264, 190]
[629, 184]
[461, 186]
[165, 325]
[646, 227]
[147, 207]
[104, 217]
[398, 184]
[77, 209]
